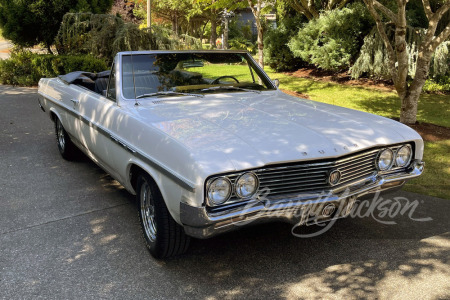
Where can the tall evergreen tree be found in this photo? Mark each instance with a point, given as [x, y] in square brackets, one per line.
[28, 23]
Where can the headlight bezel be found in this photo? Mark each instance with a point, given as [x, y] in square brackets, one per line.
[212, 202]
[408, 161]
[235, 185]
[395, 150]
[377, 160]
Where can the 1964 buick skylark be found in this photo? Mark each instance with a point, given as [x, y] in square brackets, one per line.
[208, 143]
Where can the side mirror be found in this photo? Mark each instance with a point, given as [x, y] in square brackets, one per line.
[276, 82]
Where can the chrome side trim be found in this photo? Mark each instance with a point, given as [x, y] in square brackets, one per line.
[180, 180]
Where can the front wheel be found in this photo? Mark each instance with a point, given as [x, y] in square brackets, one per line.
[162, 235]
[65, 146]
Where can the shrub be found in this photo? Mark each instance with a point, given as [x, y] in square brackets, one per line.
[103, 36]
[86, 33]
[440, 63]
[441, 85]
[373, 59]
[241, 43]
[332, 41]
[26, 68]
[31, 22]
[276, 52]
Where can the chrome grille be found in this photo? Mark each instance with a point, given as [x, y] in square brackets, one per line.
[306, 177]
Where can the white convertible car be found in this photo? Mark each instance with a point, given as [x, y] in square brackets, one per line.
[208, 143]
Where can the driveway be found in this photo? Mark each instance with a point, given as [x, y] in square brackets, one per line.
[5, 49]
[69, 231]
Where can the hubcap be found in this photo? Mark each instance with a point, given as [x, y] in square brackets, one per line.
[60, 135]
[148, 212]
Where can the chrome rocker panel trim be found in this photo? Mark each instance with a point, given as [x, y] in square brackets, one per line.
[200, 223]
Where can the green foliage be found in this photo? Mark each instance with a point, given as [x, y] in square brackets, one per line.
[28, 23]
[332, 41]
[86, 33]
[239, 30]
[26, 68]
[442, 85]
[127, 37]
[440, 63]
[373, 59]
[241, 43]
[102, 36]
[276, 52]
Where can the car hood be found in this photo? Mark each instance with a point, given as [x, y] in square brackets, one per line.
[235, 131]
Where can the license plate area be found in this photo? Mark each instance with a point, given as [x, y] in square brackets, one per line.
[316, 213]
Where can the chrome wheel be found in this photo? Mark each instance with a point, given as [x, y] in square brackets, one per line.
[148, 211]
[162, 235]
[60, 135]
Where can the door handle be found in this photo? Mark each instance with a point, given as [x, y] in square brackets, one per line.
[75, 101]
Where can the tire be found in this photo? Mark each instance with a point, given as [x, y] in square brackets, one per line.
[65, 146]
[162, 235]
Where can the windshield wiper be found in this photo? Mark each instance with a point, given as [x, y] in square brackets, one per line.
[168, 93]
[229, 87]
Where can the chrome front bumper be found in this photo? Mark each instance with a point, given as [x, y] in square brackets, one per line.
[198, 222]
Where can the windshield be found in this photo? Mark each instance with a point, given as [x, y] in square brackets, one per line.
[147, 75]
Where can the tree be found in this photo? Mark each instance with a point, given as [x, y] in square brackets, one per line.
[258, 7]
[256, 10]
[397, 53]
[310, 8]
[176, 12]
[28, 23]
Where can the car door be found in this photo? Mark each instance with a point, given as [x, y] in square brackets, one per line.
[100, 117]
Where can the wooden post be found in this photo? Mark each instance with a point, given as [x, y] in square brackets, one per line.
[149, 14]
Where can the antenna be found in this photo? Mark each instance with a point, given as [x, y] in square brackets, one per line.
[134, 80]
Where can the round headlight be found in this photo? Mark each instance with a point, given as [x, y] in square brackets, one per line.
[403, 156]
[246, 185]
[385, 159]
[219, 191]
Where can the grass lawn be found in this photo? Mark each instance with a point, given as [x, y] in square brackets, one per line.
[434, 109]
[435, 181]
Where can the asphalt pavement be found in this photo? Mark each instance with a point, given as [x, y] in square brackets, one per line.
[69, 231]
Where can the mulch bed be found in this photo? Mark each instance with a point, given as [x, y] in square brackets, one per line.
[431, 132]
[342, 78]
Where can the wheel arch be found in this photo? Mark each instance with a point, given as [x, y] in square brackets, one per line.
[135, 168]
[54, 114]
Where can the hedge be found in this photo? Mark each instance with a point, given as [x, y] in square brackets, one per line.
[26, 68]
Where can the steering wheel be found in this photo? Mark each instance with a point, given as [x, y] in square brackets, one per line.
[215, 81]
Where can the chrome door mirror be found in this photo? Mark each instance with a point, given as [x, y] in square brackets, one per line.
[276, 82]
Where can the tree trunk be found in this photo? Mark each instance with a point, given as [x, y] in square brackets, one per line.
[212, 41]
[174, 24]
[257, 14]
[408, 113]
[260, 47]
